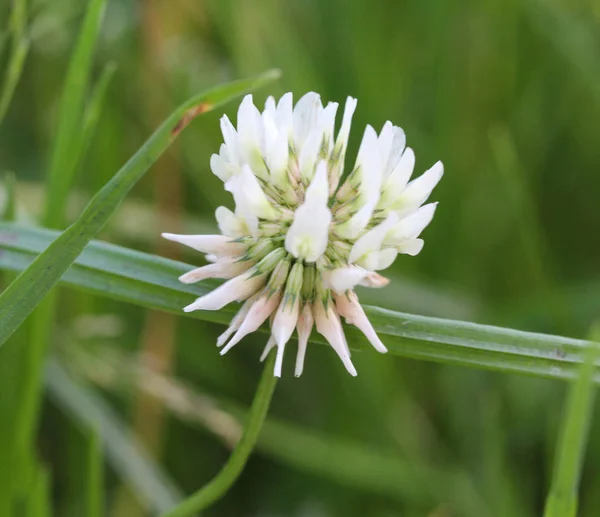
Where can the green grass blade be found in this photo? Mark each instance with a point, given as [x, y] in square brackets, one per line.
[39, 499]
[151, 281]
[22, 296]
[154, 488]
[562, 500]
[67, 142]
[94, 502]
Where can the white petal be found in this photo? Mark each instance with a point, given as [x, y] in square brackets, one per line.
[260, 310]
[377, 260]
[277, 160]
[330, 327]
[236, 289]
[230, 137]
[219, 245]
[354, 226]
[305, 117]
[224, 268]
[369, 161]
[411, 226]
[411, 247]
[249, 196]
[398, 179]
[373, 239]
[349, 307]
[386, 138]
[284, 117]
[327, 124]
[342, 138]
[398, 145]
[220, 167]
[271, 106]
[309, 154]
[308, 235]
[419, 189]
[305, 325]
[344, 278]
[229, 224]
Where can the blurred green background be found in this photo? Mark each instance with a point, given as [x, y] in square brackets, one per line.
[505, 92]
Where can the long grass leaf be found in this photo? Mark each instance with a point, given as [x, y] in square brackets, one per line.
[94, 503]
[151, 281]
[68, 132]
[22, 296]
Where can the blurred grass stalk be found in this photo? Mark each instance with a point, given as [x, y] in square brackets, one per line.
[563, 498]
[19, 49]
[73, 128]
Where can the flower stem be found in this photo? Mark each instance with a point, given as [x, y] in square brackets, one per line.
[222, 482]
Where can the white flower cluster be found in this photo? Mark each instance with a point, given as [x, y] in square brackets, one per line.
[298, 242]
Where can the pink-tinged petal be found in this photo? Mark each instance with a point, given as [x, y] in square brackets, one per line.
[285, 321]
[374, 280]
[236, 289]
[304, 326]
[214, 244]
[260, 310]
[236, 321]
[268, 347]
[224, 268]
[349, 307]
[329, 326]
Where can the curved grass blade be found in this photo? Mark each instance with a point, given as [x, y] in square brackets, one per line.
[151, 281]
[150, 483]
[21, 296]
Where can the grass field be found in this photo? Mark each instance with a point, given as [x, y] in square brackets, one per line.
[113, 402]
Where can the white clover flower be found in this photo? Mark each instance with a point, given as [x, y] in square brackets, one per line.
[298, 242]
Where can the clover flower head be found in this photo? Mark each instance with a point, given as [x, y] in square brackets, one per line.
[300, 239]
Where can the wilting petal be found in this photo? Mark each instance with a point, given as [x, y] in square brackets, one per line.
[224, 268]
[349, 307]
[219, 245]
[304, 326]
[373, 239]
[260, 310]
[329, 326]
[236, 289]
[374, 280]
[308, 235]
[236, 321]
